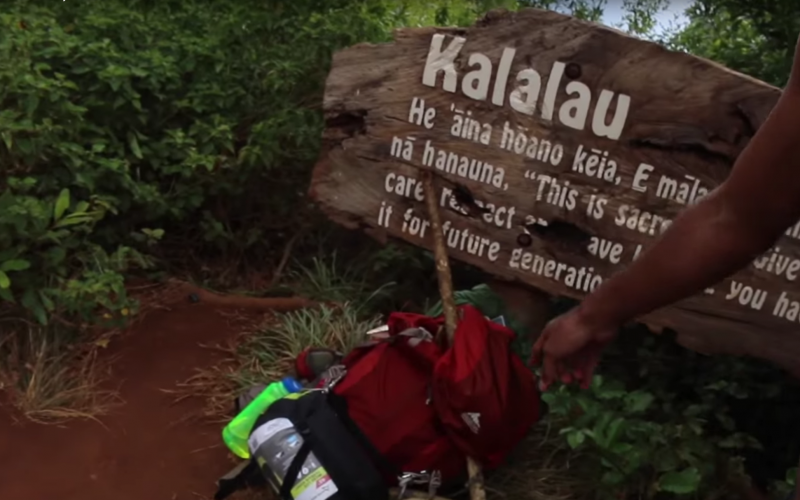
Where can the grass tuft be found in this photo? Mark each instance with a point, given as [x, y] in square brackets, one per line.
[326, 280]
[267, 352]
[51, 380]
[270, 352]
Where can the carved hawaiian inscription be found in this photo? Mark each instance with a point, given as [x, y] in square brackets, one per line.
[561, 149]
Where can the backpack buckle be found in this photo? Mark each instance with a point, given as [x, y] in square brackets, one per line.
[434, 483]
[432, 480]
[333, 376]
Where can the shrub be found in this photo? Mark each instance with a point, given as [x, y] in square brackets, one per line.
[126, 123]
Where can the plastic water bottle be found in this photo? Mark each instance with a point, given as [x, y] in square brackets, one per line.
[238, 430]
[274, 445]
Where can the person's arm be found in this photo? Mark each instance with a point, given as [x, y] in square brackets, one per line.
[722, 233]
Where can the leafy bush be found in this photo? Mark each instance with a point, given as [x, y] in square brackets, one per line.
[664, 420]
[123, 124]
[640, 448]
[755, 38]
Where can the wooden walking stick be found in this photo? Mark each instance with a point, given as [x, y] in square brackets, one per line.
[476, 488]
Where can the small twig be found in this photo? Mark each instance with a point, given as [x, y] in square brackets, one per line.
[287, 252]
[476, 488]
[442, 262]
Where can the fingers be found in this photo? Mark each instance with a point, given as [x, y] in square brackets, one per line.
[557, 351]
[553, 368]
[556, 369]
[550, 372]
[577, 368]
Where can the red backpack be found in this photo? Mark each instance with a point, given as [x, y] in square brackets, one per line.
[387, 389]
[484, 394]
[424, 409]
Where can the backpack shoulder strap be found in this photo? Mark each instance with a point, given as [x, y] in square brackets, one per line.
[339, 404]
[294, 469]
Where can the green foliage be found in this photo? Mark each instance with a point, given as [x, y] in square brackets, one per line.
[640, 15]
[641, 447]
[756, 38]
[664, 420]
[450, 12]
[123, 124]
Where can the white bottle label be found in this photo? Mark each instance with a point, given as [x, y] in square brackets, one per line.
[282, 444]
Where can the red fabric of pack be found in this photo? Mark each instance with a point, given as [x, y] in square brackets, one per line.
[387, 389]
[484, 395]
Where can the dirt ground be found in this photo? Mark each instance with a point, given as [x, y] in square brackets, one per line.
[149, 447]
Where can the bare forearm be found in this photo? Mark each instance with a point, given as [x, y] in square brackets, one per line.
[722, 233]
[704, 245]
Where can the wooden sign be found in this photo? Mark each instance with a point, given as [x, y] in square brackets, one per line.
[560, 150]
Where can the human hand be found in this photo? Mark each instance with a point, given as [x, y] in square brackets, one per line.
[570, 348]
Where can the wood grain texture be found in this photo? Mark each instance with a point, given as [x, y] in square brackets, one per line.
[687, 116]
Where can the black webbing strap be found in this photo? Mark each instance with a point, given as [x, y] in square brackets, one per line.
[294, 469]
[245, 474]
[339, 404]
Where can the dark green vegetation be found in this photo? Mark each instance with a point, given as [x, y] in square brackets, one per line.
[143, 138]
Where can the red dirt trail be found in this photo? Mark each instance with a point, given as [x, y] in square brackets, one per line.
[149, 449]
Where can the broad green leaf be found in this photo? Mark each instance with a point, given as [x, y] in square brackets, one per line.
[40, 314]
[612, 390]
[575, 439]
[48, 303]
[6, 295]
[638, 401]
[4, 281]
[30, 299]
[680, 482]
[619, 448]
[134, 144]
[15, 265]
[614, 430]
[62, 204]
[74, 220]
[154, 233]
[7, 139]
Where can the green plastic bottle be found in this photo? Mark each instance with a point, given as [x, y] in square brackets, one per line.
[238, 430]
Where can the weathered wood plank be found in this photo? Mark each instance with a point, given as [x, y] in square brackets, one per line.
[558, 175]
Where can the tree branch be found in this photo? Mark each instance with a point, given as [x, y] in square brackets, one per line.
[476, 488]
